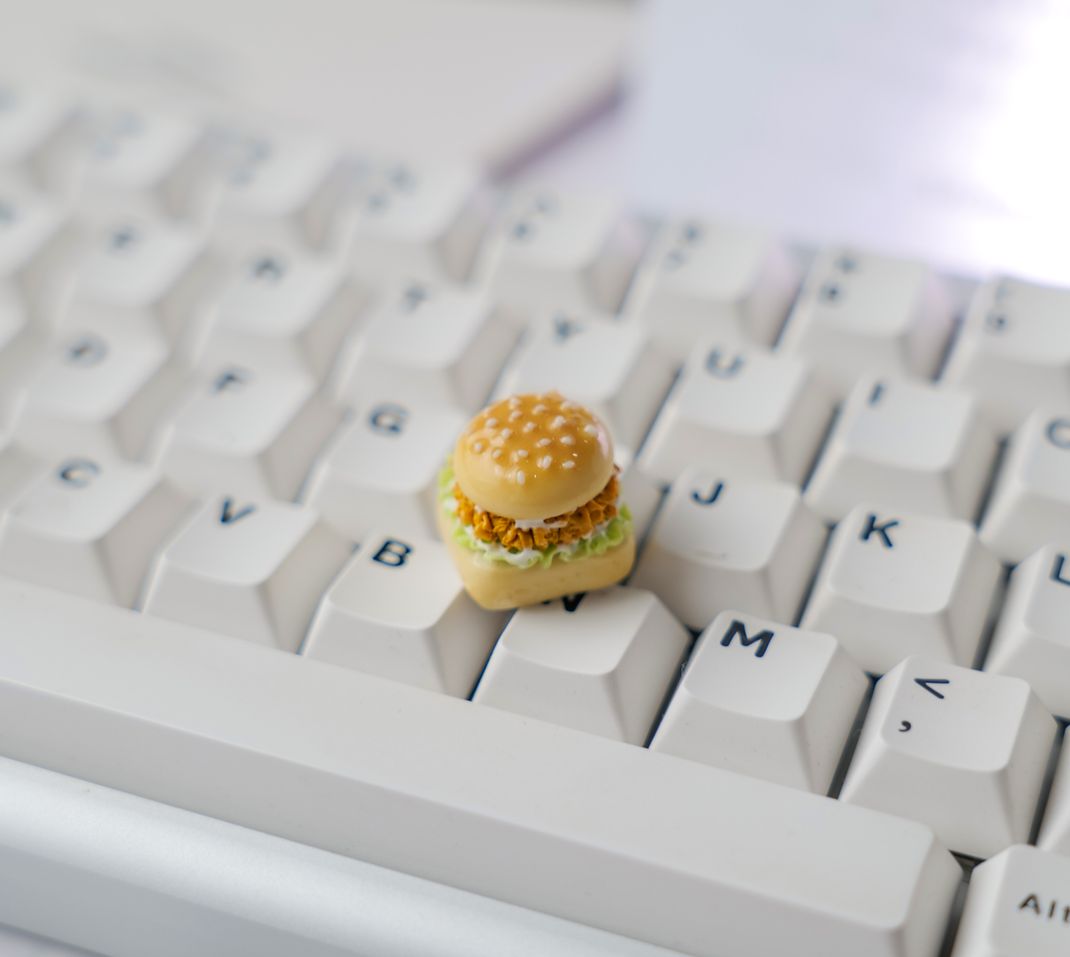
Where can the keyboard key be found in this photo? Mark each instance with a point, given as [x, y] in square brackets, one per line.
[89, 527]
[142, 272]
[21, 345]
[638, 491]
[701, 281]
[863, 313]
[550, 251]
[598, 662]
[958, 750]
[430, 343]
[399, 610]
[906, 446]
[720, 544]
[398, 220]
[1013, 351]
[766, 700]
[18, 467]
[1030, 503]
[132, 161]
[1054, 834]
[401, 777]
[281, 312]
[382, 470]
[246, 432]
[895, 584]
[254, 569]
[32, 241]
[743, 411]
[607, 366]
[100, 391]
[31, 123]
[1016, 904]
[1030, 640]
[258, 190]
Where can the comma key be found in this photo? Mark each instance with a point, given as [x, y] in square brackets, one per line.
[959, 750]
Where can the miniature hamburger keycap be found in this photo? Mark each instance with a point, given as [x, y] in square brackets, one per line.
[529, 503]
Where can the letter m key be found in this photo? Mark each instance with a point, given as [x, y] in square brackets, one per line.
[738, 629]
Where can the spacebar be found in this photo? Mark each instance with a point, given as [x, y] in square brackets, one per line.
[646, 845]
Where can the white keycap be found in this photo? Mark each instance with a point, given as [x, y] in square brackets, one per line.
[430, 343]
[137, 270]
[550, 251]
[959, 750]
[254, 569]
[1018, 903]
[608, 366]
[904, 445]
[18, 467]
[766, 700]
[720, 544]
[1013, 350]
[704, 280]
[31, 239]
[743, 411]
[638, 491]
[1054, 834]
[261, 189]
[862, 313]
[132, 161]
[21, 344]
[99, 391]
[246, 432]
[1030, 503]
[895, 584]
[30, 123]
[399, 220]
[382, 470]
[1030, 640]
[598, 662]
[89, 527]
[282, 312]
[399, 610]
[403, 778]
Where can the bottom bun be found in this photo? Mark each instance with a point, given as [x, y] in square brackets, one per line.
[497, 586]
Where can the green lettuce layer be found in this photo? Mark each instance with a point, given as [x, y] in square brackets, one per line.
[616, 531]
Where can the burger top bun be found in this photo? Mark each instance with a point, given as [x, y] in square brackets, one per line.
[533, 457]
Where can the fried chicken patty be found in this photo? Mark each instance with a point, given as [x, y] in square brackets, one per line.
[577, 524]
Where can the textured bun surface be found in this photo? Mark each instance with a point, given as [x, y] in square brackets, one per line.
[533, 457]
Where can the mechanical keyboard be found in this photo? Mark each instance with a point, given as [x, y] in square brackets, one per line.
[825, 714]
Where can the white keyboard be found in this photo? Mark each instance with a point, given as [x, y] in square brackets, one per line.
[834, 689]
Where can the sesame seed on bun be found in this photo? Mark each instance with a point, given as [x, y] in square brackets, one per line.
[533, 456]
